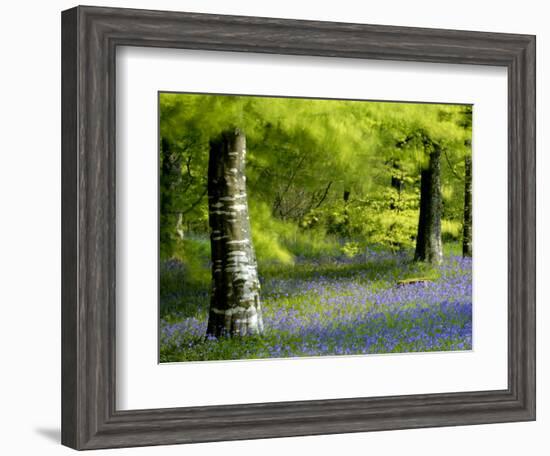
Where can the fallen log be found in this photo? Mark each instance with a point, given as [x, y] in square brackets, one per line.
[416, 280]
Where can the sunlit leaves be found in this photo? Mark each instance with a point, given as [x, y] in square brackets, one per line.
[303, 154]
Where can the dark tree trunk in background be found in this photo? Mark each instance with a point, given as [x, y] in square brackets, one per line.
[165, 176]
[397, 178]
[235, 307]
[170, 176]
[428, 242]
[345, 222]
[467, 226]
[396, 183]
[347, 193]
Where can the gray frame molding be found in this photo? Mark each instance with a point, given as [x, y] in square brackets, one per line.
[89, 39]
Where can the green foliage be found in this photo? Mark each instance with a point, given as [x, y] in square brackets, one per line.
[320, 173]
[351, 249]
[193, 254]
[451, 230]
[278, 241]
[394, 230]
[269, 235]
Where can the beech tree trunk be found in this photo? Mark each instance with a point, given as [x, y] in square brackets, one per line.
[235, 308]
[467, 225]
[429, 247]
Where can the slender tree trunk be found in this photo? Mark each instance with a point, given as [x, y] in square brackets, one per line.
[428, 242]
[347, 193]
[235, 307]
[397, 178]
[467, 225]
[396, 183]
[170, 174]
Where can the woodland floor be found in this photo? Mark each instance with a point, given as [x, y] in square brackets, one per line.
[330, 306]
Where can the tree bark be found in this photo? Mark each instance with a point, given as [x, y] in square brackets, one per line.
[170, 175]
[467, 225]
[429, 247]
[396, 183]
[235, 307]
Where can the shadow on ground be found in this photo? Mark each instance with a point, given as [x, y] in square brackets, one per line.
[51, 434]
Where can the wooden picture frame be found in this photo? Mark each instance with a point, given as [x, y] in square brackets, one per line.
[90, 36]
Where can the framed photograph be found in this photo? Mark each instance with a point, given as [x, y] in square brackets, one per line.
[280, 228]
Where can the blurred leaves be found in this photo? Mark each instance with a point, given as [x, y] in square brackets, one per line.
[304, 157]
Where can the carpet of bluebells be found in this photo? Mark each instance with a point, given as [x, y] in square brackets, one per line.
[333, 306]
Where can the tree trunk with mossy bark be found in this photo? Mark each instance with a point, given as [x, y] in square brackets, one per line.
[467, 224]
[429, 247]
[235, 308]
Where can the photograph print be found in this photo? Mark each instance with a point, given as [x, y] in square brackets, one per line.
[301, 227]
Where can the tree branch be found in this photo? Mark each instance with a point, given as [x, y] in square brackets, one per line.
[193, 206]
[279, 201]
[451, 167]
[324, 195]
